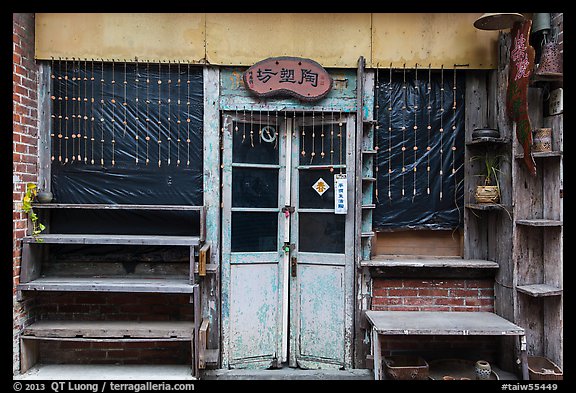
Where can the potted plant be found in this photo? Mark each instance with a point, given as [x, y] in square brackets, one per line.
[489, 190]
[29, 196]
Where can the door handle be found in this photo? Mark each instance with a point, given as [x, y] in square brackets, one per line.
[293, 264]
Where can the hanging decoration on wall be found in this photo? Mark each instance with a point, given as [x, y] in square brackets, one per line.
[390, 136]
[441, 126]
[521, 66]
[415, 127]
[429, 129]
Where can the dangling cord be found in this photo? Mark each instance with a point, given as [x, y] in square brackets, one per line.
[125, 103]
[404, 107]
[113, 101]
[251, 128]
[415, 148]
[340, 136]
[66, 111]
[85, 111]
[243, 124]
[169, 139]
[313, 138]
[159, 113]
[92, 99]
[331, 140]
[276, 131]
[441, 124]
[147, 137]
[429, 128]
[322, 154]
[73, 136]
[102, 113]
[453, 131]
[303, 134]
[390, 137]
[178, 118]
[137, 137]
[188, 118]
[376, 128]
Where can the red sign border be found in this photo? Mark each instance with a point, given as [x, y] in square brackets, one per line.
[284, 92]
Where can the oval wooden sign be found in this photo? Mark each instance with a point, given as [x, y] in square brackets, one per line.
[302, 78]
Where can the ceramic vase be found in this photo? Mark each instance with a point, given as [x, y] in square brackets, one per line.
[482, 370]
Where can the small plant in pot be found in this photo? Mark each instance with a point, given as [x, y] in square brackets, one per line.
[489, 191]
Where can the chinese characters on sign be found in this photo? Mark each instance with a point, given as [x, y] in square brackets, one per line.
[320, 186]
[340, 200]
[302, 78]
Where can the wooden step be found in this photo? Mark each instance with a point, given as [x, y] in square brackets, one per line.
[109, 284]
[87, 330]
[103, 239]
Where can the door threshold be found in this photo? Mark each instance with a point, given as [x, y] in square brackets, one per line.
[287, 373]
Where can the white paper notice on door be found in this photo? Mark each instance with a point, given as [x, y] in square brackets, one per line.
[340, 195]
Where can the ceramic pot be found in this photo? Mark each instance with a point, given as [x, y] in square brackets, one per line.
[485, 133]
[44, 196]
[482, 370]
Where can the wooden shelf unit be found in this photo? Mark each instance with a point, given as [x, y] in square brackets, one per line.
[34, 280]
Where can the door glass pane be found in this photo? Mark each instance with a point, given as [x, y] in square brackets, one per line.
[321, 232]
[255, 149]
[309, 197]
[329, 139]
[252, 232]
[253, 187]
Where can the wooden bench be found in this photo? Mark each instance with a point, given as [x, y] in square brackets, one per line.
[447, 323]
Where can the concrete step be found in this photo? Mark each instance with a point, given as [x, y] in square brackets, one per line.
[287, 373]
[106, 372]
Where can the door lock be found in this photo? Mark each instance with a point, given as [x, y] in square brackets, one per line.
[287, 247]
[287, 210]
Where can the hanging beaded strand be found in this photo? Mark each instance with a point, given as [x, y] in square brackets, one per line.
[92, 99]
[429, 128]
[331, 140]
[313, 153]
[415, 148]
[73, 109]
[102, 114]
[376, 128]
[53, 116]
[159, 114]
[169, 139]
[276, 131]
[244, 124]
[113, 101]
[390, 136]
[188, 116]
[303, 133]
[79, 116]
[66, 111]
[340, 137]
[404, 107]
[454, 130]
[125, 103]
[322, 154]
[137, 116]
[147, 137]
[441, 124]
[85, 111]
[251, 128]
[60, 99]
[178, 117]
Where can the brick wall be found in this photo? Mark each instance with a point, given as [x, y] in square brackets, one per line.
[410, 294]
[25, 151]
[114, 306]
[450, 294]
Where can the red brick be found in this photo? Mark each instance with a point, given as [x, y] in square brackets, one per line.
[432, 292]
[402, 292]
[450, 301]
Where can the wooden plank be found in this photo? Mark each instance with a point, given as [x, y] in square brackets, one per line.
[539, 290]
[28, 354]
[540, 223]
[44, 124]
[435, 263]
[421, 242]
[98, 284]
[202, 338]
[111, 329]
[441, 323]
[149, 240]
[31, 262]
[115, 206]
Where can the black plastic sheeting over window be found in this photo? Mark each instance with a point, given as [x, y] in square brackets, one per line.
[127, 133]
[420, 168]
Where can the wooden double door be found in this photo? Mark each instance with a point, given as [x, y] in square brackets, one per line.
[287, 239]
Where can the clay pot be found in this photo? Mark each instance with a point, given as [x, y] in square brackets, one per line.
[44, 196]
[482, 370]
